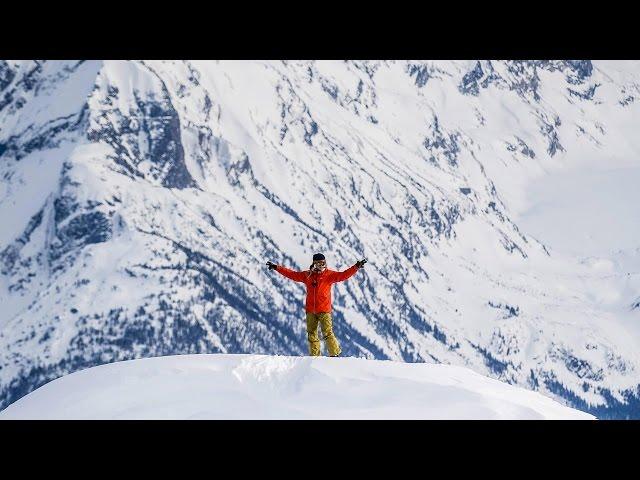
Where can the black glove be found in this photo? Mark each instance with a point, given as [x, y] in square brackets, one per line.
[272, 266]
[360, 263]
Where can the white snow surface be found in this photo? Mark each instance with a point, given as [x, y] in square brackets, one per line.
[227, 386]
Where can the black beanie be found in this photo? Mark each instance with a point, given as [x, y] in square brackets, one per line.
[318, 256]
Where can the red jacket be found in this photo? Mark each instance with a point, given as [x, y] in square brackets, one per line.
[318, 285]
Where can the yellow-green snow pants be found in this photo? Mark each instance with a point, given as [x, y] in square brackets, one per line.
[324, 319]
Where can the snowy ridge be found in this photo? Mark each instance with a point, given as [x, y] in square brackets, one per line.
[140, 200]
[267, 387]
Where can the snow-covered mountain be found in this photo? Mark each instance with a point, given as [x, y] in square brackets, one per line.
[223, 386]
[140, 200]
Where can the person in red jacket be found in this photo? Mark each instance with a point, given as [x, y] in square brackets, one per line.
[318, 280]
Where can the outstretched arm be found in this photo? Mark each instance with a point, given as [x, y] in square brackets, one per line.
[342, 276]
[291, 274]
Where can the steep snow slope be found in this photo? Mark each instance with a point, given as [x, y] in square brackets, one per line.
[591, 210]
[140, 200]
[265, 387]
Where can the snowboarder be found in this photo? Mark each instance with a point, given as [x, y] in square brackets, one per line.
[318, 280]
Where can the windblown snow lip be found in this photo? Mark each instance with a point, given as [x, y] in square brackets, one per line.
[227, 386]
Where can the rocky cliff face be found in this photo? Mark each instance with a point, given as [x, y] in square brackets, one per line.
[140, 200]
